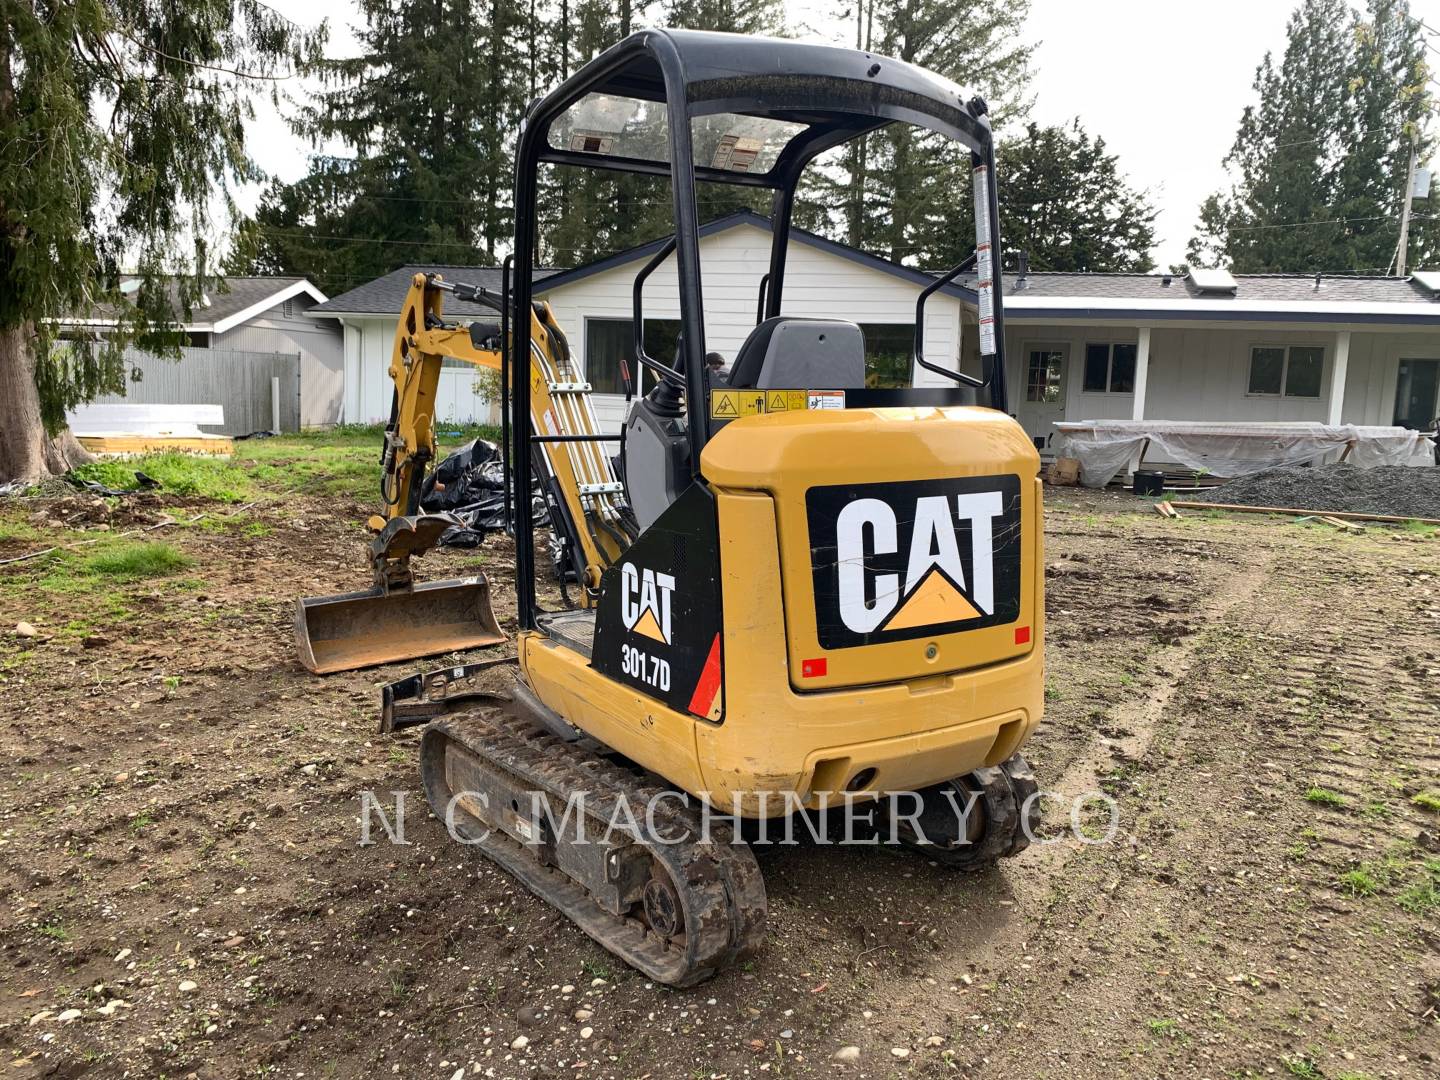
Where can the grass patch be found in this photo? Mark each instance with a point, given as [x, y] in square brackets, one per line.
[1427, 800]
[1359, 882]
[1304, 1068]
[133, 561]
[1419, 528]
[1422, 898]
[1324, 797]
[1167, 1027]
[54, 931]
[178, 474]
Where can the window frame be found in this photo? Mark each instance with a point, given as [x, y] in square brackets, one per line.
[1043, 345]
[906, 335]
[1109, 390]
[1285, 347]
[642, 378]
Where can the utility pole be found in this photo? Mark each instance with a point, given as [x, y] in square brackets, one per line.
[1400, 252]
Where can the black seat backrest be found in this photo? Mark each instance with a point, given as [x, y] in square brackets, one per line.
[801, 354]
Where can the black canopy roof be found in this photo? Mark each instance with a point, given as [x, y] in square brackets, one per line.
[835, 93]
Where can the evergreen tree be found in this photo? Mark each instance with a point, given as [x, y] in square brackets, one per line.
[1320, 162]
[1066, 205]
[1388, 111]
[904, 190]
[426, 116]
[122, 125]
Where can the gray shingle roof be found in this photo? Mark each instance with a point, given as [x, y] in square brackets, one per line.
[1253, 288]
[224, 297]
[384, 295]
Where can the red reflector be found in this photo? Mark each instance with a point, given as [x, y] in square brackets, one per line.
[1022, 635]
[813, 669]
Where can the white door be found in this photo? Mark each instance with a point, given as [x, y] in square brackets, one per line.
[1043, 399]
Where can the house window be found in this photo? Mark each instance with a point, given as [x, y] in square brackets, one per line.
[1110, 368]
[609, 341]
[1291, 371]
[889, 348]
[1044, 373]
[197, 339]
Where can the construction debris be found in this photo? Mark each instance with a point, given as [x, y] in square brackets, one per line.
[1398, 491]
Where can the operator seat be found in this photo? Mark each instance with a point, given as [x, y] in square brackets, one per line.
[801, 354]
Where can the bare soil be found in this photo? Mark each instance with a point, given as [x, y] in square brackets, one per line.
[180, 825]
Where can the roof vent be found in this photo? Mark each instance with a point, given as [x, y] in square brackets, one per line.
[1165, 281]
[1217, 281]
[1429, 280]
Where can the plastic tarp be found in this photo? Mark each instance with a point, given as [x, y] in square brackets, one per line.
[1105, 447]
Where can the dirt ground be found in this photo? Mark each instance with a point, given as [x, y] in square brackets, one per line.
[184, 893]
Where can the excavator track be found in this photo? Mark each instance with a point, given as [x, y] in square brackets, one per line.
[1002, 800]
[661, 897]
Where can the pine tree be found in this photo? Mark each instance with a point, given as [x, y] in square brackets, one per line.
[122, 125]
[1068, 207]
[905, 190]
[1319, 163]
[1388, 110]
[426, 116]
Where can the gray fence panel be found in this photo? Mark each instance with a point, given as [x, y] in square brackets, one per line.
[240, 381]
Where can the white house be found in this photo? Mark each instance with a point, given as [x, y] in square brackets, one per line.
[1269, 347]
[593, 304]
[1332, 349]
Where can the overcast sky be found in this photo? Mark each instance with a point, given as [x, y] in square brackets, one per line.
[1164, 84]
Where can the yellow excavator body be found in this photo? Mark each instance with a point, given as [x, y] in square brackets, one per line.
[899, 715]
[814, 578]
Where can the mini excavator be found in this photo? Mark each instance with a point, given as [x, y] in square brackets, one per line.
[795, 587]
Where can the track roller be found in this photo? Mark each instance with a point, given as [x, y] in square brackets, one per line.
[666, 902]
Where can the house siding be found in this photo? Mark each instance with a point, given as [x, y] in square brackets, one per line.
[817, 284]
[319, 344]
[1203, 373]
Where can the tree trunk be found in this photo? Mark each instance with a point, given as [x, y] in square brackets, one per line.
[26, 452]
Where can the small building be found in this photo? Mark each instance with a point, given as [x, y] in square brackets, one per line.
[245, 333]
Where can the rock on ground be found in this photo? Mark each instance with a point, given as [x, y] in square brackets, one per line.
[1391, 489]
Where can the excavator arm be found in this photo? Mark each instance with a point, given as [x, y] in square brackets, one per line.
[585, 499]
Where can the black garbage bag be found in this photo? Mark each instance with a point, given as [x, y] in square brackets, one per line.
[470, 483]
[461, 479]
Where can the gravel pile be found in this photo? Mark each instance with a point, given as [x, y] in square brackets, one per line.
[1392, 489]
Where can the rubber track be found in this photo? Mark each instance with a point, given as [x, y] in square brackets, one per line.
[721, 890]
[1004, 789]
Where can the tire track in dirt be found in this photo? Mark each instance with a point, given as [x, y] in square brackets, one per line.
[1033, 883]
[1156, 952]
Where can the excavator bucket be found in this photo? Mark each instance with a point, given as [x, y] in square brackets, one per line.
[364, 629]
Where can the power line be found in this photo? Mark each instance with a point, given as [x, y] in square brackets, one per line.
[1328, 221]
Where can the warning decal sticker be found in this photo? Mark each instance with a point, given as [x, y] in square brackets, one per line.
[733, 404]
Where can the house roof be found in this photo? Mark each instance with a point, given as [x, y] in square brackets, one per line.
[384, 295]
[758, 221]
[1339, 298]
[227, 303]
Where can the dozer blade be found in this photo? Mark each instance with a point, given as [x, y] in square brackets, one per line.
[364, 629]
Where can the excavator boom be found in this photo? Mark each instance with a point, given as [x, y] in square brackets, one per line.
[398, 620]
